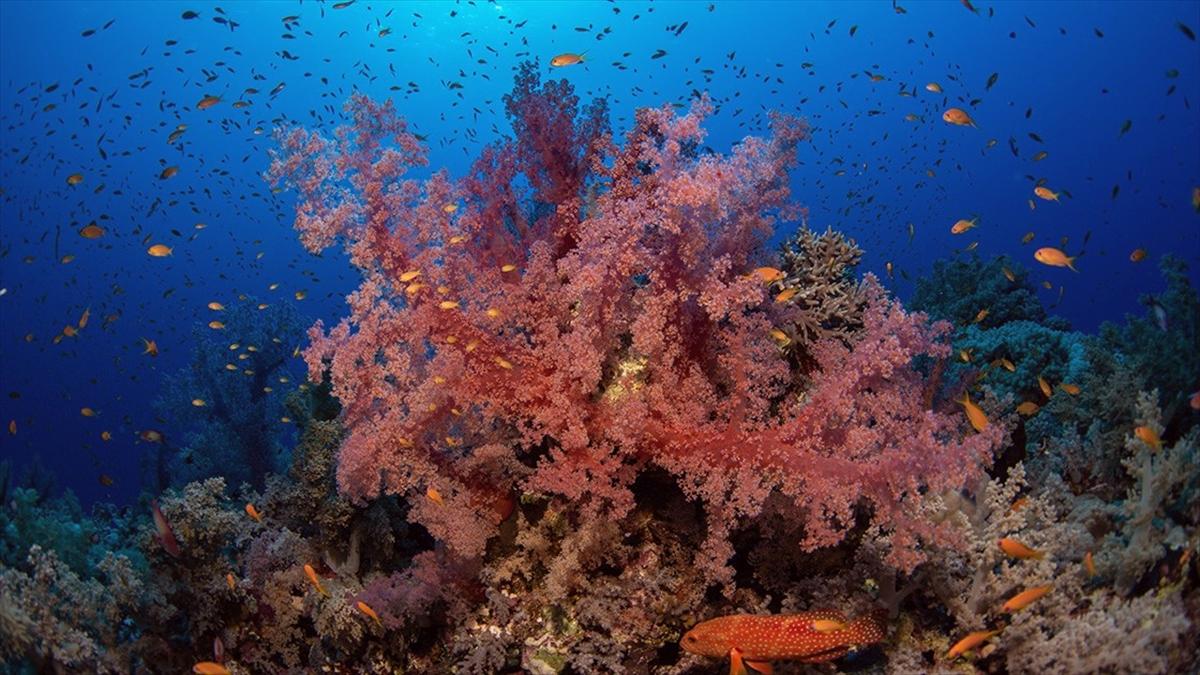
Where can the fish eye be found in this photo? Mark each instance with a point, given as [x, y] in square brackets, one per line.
[690, 638]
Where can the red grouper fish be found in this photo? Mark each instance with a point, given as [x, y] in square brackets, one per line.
[756, 640]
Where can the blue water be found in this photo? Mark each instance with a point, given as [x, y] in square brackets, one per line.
[122, 90]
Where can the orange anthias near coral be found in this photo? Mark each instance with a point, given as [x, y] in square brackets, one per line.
[755, 640]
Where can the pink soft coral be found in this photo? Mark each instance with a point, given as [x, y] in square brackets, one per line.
[585, 310]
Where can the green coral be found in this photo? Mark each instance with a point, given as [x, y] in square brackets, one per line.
[58, 525]
[957, 290]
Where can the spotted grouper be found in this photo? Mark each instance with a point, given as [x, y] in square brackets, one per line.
[756, 640]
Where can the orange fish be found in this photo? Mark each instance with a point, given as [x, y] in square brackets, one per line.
[1149, 437]
[963, 225]
[151, 347]
[1016, 549]
[1027, 408]
[933, 87]
[975, 416]
[1089, 565]
[1054, 258]
[1138, 255]
[208, 102]
[75, 179]
[970, 642]
[980, 316]
[769, 275]
[1045, 193]
[435, 496]
[91, 231]
[1194, 401]
[1072, 389]
[253, 512]
[958, 117]
[366, 609]
[755, 640]
[151, 436]
[1044, 386]
[165, 535]
[566, 59]
[159, 251]
[12, 427]
[209, 668]
[230, 581]
[316, 582]
[786, 294]
[1025, 598]
[168, 172]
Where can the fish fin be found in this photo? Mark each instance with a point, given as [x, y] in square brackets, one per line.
[1071, 264]
[736, 666]
[763, 667]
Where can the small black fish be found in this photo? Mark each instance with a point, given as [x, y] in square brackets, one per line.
[992, 79]
[1186, 31]
[189, 14]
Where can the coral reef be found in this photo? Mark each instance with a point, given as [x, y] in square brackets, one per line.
[559, 429]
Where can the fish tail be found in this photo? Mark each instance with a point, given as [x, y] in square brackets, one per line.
[1071, 263]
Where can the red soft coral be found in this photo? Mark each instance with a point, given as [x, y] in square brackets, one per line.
[587, 309]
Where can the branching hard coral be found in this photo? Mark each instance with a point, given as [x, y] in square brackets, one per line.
[1165, 480]
[564, 339]
[826, 301]
[1082, 624]
[62, 623]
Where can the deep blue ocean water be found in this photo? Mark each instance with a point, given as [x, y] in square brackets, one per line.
[103, 105]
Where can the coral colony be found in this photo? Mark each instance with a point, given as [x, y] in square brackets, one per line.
[581, 418]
